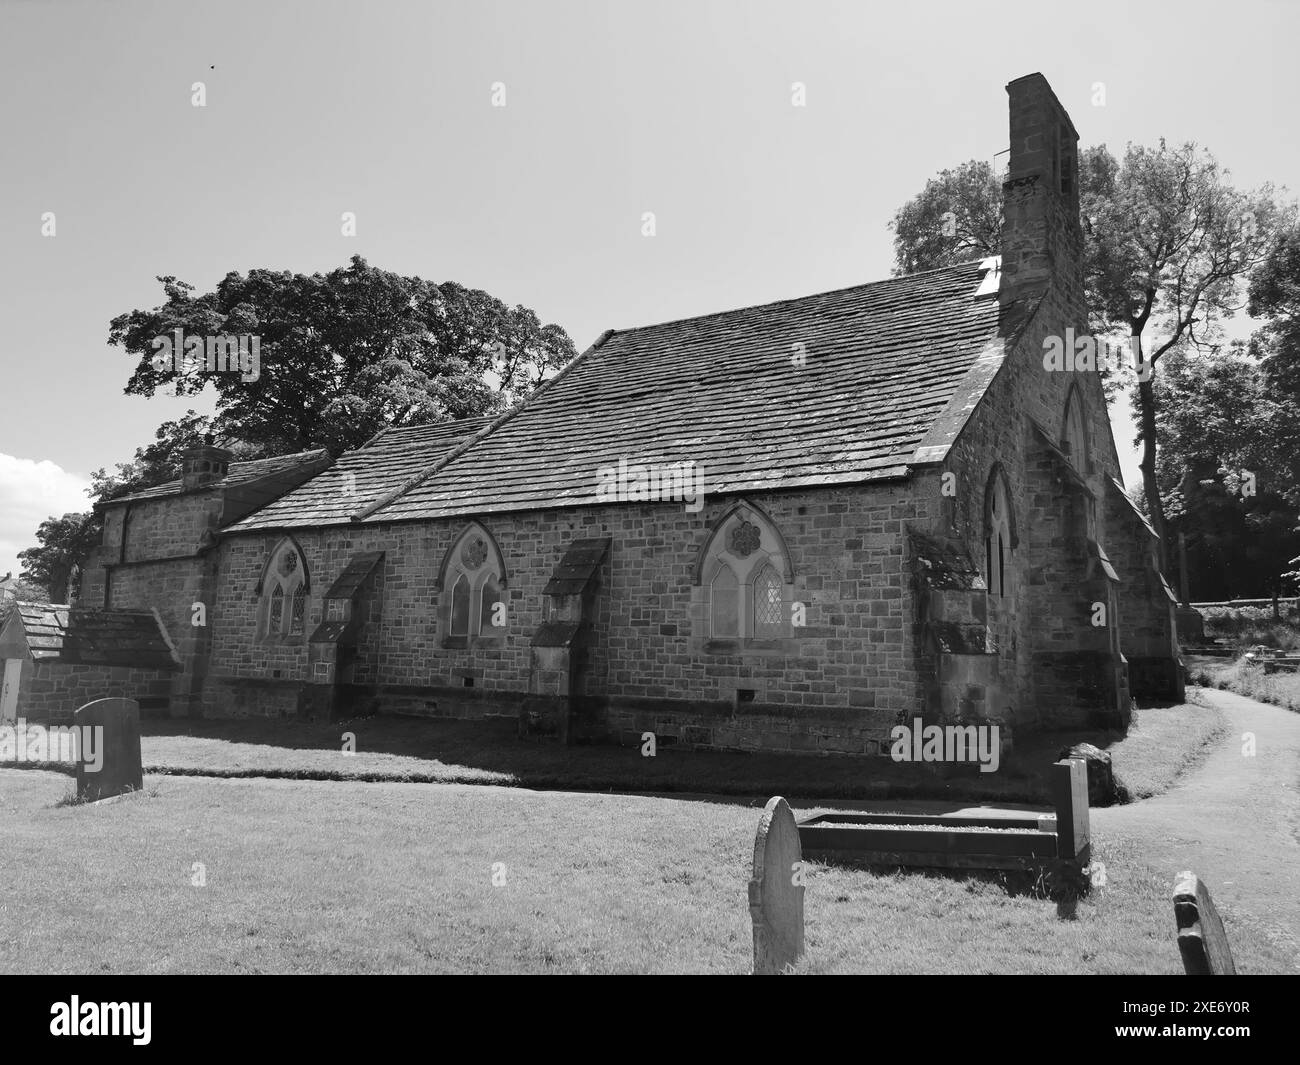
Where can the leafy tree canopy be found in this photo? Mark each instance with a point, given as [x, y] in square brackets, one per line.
[344, 354]
[1169, 245]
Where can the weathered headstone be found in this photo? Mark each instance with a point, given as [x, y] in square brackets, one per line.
[116, 731]
[1070, 797]
[1201, 939]
[775, 898]
[1102, 789]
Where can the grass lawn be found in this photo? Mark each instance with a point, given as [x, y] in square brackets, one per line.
[1245, 678]
[306, 876]
[489, 752]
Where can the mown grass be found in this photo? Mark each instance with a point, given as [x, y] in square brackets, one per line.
[489, 752]
[1162, 744]
[352, 877]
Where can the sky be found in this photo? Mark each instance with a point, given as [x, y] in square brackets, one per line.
[384, 108]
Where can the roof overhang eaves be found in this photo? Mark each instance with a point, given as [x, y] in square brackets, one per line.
[934, 446]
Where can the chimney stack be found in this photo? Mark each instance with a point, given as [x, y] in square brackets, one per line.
[1042, 242]
[204, 464]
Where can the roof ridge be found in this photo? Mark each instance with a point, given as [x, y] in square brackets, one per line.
[413, 482]
[389, 429]
[800, 299]
[163, 489]
[436, 425]
[271, 458]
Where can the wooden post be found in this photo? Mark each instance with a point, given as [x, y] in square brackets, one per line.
[1070, 797]
[1201, 939]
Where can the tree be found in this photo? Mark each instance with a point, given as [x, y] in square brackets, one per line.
[1168, 245]
[161, 461]
[1274, 296]
[64, 545]
[955, 218]
[1220, 483]
[340, 356]
[66, 542]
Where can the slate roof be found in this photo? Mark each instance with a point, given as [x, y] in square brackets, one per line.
[881, 362]
[1119, 490]
[238, 473]
[1062, 460]
[362, 477]
[354, 575]
[77, 636]
[882, 365]
[575, 569]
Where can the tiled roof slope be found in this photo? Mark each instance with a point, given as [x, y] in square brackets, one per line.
[881, 363]
[360, 478]
[239, 473]
[96, 637]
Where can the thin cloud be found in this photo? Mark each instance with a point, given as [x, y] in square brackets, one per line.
[30, 492]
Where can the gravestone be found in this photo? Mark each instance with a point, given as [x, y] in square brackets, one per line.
[1070, 798]
[1201, 939]
[116, 725]
[1102, 789]
[775, 900]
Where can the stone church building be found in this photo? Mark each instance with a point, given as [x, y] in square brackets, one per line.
[834, 513]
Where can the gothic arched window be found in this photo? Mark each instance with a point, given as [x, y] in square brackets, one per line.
[999, 534]
[745, 579]
[769, 607]
[284, 588]
[1074, 434]
[725, 606]
[472, 603]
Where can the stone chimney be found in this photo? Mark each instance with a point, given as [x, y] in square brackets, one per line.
[204, 464]
[1042, 242]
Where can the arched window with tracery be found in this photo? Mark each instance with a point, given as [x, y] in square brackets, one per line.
[746, 579]
[769, 604]
[472, 601]
[284, 589]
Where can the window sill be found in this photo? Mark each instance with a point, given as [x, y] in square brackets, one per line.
[296, 640]
[464, 643]
[729, 645]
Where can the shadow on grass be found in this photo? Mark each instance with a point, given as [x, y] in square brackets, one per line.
[490, 751]
[1057, 882]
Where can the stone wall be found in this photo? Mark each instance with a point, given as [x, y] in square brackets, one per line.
[49, 692]
[1148, 627]
[853, 663]
[1050, 656]
[159, 528]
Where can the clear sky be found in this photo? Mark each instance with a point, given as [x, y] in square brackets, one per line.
[383, 108]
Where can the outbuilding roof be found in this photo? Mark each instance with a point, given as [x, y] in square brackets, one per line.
[82, 636]
[239, 473]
